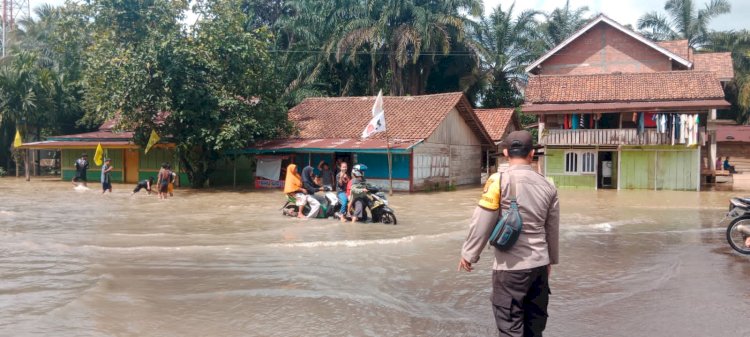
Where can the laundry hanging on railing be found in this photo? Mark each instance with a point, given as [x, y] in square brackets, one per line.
[682, 128]
[579, 121]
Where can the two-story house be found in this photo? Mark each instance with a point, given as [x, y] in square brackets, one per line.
[617, 110]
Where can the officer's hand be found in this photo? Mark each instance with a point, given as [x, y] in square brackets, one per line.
[465, 265]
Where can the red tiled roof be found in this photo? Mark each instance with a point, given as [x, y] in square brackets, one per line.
[407, 117]
[733, 133]
[679, 47]
[496, 121]
[624, 87]
[718, 63]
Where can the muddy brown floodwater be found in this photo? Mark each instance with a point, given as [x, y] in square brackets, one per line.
[221, 263]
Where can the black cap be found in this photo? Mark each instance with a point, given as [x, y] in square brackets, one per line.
[520, 141]
[84, 154]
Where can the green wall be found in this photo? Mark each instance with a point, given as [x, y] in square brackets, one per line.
[659, 169]
[555, 168]
[224, 174]
[149, 164]
[68, 158]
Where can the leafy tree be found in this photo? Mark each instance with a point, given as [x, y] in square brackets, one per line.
[682, 21]
[738, 89]
[209, 90]
[40, 88]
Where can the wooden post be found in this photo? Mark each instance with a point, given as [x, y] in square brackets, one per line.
[234, 172]
[26, 165]
[488, 163]
[390, 162]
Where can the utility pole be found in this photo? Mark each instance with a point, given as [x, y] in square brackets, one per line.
[12, 11]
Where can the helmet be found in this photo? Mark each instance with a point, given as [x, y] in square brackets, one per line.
[359, 170]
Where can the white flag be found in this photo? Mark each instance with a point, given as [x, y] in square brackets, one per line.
[377, 108]
[377, 124]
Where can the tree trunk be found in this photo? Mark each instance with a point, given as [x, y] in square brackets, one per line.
[373, 78]
[198, 168]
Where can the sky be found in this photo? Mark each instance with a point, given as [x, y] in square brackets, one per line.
[628, 11]
[623, 11]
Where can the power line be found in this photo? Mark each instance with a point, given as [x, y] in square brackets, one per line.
[368, 53]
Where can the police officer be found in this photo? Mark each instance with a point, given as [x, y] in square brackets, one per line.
[520, 288]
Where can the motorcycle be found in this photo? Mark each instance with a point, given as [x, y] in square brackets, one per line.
[329, 204]
[738, 229]
[377, 204]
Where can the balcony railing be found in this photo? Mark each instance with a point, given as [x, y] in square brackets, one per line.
[605, 137]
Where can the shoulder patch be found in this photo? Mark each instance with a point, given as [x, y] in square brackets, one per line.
[491, 193]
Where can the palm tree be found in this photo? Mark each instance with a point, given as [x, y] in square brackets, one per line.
[306, 39]
[738, 89]
[406, 38]
[561, 23]
[510, 43]
[682, 21]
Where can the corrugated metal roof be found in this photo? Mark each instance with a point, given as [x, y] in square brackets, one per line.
[75, 144]
[330, 144]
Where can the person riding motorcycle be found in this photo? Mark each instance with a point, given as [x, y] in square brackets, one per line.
[358, 196]
[308, 180]
[294, 187]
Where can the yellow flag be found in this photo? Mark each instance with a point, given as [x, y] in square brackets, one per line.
[152, 140]
[18, 141]
[99, 155]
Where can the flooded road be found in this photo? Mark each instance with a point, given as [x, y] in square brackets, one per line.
[220, 263]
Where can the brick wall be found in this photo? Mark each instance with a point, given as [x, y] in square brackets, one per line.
[604, 49]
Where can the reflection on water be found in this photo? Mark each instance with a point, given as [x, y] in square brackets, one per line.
[220, 263]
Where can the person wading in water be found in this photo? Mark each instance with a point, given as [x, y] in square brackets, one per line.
[82, 165]
[520, 288]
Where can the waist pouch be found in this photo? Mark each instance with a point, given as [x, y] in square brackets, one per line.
[508, 228]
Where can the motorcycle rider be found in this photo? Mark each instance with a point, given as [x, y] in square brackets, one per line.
[294, 187]
[358, 193]
[308, 180]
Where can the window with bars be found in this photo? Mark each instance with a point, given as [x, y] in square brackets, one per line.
[571, 162]
[580, 162]
[588, 162]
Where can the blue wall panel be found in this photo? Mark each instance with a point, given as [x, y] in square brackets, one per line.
[377, 165]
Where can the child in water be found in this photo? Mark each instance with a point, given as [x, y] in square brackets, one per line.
[144, 184]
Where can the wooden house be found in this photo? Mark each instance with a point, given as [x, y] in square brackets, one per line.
[436, 141]
[617, 110]
[130, 162]
[499, 122]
